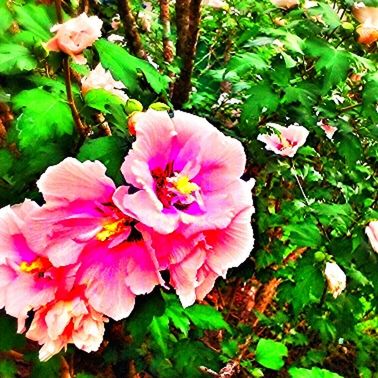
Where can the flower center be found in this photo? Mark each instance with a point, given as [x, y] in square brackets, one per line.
[39, 265]
[113, 228]
[183, 185]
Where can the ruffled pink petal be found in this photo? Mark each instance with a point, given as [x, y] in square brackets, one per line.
[144, 206]
[71, 180]
[154, 131]
[184, 276]
[206, 278]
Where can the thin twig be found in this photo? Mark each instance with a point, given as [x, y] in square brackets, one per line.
[64, 368]
[82, 129]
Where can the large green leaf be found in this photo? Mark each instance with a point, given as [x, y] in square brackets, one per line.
[15, 59]
[313, 373]
[270, 354]
[128, 68]
[45, 116]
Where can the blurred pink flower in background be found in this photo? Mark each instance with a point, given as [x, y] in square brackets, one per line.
[372, 233]
[99, 78]
[288, 140]
[68, 319]
[328, 129]
[336, 279]
[216, 4]
[75, 35]
[285, 4]
[368, 18]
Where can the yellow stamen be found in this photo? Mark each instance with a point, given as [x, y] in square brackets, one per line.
[285, 143]
[110, 229]
[184, 186]
[35, 266]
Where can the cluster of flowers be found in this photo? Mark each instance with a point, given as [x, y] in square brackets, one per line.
[85, 254]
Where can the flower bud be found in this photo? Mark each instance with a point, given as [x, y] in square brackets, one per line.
[336, 279]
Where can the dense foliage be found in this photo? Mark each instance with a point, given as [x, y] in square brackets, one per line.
[255, 64]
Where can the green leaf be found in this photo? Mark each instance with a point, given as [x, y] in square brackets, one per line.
[262, 100]
[101, 100]
[6, 161]
[246, 62]
[159, 329]
[8, 369]
[9, 338]
[350, 148]
[270, 354]
[108, 150]
[45, 116]
[50, 368]
[206, 317]
[15, 59]
[303, 234]
[313, 373]
[6, 17]
[176, 313]
[37, 19]
[128, 68]
[142, 316]
[309, 286]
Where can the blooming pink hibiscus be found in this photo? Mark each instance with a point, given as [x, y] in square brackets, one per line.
[196, 260]
[180, 171]
[68, 319]
[27, 278]
[287, 141]
[80, 222]
[75, 35]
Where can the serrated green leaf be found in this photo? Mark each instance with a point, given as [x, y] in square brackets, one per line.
[127, 68]
[270, 354]
[37, 19]
[206, 317]
[159, 329]
[247, 62]
[108, 150]
[102, 100]
[45, 116]
[313, 373]
[350, 148]
[304, 234]
[176, 313]
[15, 59]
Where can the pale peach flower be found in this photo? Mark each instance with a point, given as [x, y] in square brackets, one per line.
[99, 78]
[75, 35]
[336, 279]
[115, 38]
[368, 18]
[116, 22]
[285, 4]
[372, 233]
[216, 4]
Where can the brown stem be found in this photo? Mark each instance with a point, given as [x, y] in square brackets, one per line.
[182, 25]
[183, 84]
[131, 29]
[165, 20]
[64, 368]
[84, 6]
[82, 129]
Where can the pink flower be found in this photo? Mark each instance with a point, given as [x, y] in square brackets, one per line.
[75, 35]
[285, 4]
[216, 4]
[196, 258]
[80, 222]
[368, 17]
[99, 78]
[27, 278]
[180, 170]
[288, 140]
[372, 233]
[336, 279]
[328, 129]
[68, 319]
